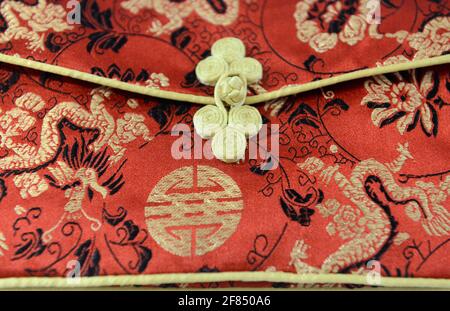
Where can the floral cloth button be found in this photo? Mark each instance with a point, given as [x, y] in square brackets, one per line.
[229, 71]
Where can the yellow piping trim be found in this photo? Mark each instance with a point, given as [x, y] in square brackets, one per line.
[88, 77]
[197, 99]
[155, 279]
[364, 73]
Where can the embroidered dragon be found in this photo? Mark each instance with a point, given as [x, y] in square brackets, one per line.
[380, 226]
[25, 161]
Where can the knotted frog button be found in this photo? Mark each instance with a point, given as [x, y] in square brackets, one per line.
[229, 145]
[233, 90]
[209, 120]
[230, 72]
[250, 68]
[210, 69]
[229, 49]
[245, 118]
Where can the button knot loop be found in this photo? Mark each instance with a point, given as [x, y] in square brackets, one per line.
[229, 71]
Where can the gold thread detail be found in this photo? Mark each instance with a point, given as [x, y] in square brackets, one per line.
[186, 217]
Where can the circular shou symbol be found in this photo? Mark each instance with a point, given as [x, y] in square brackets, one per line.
[193, 210]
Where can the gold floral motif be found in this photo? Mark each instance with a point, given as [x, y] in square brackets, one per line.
[401, 237]
[319, 32]
[157, 80]
[347, 221]
[132, 103]
[401, 100]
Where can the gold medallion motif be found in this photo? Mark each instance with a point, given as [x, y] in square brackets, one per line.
[193, 210]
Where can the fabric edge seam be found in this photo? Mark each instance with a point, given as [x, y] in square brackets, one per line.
[199, 99]
[156, 279]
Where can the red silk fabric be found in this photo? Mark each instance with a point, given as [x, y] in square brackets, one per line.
[88, 176]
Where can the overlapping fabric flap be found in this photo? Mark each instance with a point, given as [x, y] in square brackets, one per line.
[88, 182]
[157, 44]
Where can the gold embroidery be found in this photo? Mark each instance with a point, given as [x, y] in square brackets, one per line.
[27, 156]
[113, 133]
[132, 103]
[73, 209]
[30, 184]
[398, 59]
[438, 197]
[31, 102]
[128, 128]
[13, 124]
[310, 31]
[3, 245]
[434, 40]
[176, 11]
[157, 80]
[347, 221]
[365, 223]
[30, 23]
[402, 97]
[19, 210]
[193, 210]
[16, 121]
[401, 237]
